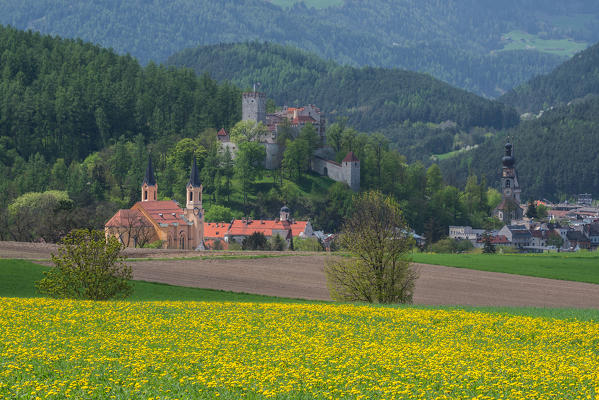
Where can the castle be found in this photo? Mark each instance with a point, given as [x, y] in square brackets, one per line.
[151, 220]
[509, 209]
[254, 109]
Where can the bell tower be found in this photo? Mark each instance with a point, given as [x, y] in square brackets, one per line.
[510, 189]
[194, 211]
[149, 188]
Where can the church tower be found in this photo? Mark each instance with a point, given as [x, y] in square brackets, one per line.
[194, 211]
[509, 208]
[149, 188]
[253, 107]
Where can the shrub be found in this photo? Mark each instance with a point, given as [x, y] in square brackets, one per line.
[256, 241]
[88, 266]
[306, 244]
[155, 245]
[277, 243]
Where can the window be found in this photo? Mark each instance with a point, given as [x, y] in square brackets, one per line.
[190, 196]
[507, 183]
[145, 195]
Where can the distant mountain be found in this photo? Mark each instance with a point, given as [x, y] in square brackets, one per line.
[483, 46]
[372, 99]
[555, 154]
[575, 79]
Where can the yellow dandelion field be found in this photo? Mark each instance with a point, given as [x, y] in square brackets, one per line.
[59, 349]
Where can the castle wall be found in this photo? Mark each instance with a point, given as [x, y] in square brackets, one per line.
[253, 107]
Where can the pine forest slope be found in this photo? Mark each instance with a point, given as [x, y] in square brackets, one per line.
[484, 46]
[556, 155]
[370, 98]
[574, 79]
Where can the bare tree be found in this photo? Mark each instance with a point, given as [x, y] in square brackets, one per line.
[133, 228]
[377, 238]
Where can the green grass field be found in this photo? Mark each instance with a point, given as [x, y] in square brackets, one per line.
[518, 40]
[18, 277]
[579, 267]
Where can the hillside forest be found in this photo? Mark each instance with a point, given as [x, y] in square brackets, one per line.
[484, 46]
[78, 122]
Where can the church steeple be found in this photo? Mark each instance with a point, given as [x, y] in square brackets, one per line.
[149, 188]
[194, 188]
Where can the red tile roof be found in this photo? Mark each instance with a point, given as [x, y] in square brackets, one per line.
[127, 218]
[162, 212]
[216, 229]
[241, 228]
[223, 132]
[350, 157]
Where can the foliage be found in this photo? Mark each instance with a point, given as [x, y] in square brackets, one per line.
[255, 241]
[306, 244]
[88, 266]
[379, 268]
[154, 245]
[277, 243]
[371, 98]
[489, 247]
[458, 42]
[337, 351]
[450, 245]
[555, 240]
[560, 86]
[218, 213]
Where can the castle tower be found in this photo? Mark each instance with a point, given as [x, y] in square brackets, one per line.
[253, 107]
[509, 208]
[194, 211]
[351, 171]
[149, 188]
[285, 214]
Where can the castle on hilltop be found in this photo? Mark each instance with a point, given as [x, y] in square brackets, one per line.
[254, 109]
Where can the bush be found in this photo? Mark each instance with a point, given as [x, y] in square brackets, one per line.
[306, 244]
[88, 266]
[277, 243]
[450, 245]
[256, 241]
[234, 246]
[154, 245]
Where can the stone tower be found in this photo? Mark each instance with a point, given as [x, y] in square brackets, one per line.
[194, 212]
[149, 188]
[351, 171]
[509, 208]
[253, 107]
[285, 214]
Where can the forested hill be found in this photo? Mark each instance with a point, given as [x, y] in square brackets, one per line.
[371, 98]
[574, 79]
[484, 46]
[66, 99]
[555, 154]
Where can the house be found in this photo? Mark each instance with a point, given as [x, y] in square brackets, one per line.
[578, 240]
[151, 220]
[592, 232]
[214, 235]
[518, 235]
[465, 233]
[223, 136]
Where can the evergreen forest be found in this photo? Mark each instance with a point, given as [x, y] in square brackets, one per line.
[484, 46]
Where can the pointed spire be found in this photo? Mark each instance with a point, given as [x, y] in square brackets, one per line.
[150, 179]
[194, 178]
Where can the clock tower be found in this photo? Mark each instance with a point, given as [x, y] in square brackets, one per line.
[194, 212]
[509, 208]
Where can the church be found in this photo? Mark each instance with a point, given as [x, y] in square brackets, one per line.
[509, 209]
[151, 220]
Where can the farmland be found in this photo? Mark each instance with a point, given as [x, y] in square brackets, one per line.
[197, 350]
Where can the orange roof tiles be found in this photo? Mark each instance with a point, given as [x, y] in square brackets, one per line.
[350, 157]
[128, 218]
[162, 212]
[241, 228]
[216, 229]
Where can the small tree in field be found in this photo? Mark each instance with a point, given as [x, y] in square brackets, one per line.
[489, 247]
[256, 241]
[88, 266]
[379, 270]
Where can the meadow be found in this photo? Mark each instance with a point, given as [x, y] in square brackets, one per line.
[518, 40]
[579, 267]
[59, 349]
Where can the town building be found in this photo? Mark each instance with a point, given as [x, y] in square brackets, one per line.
[151, 220]
[509, 209]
